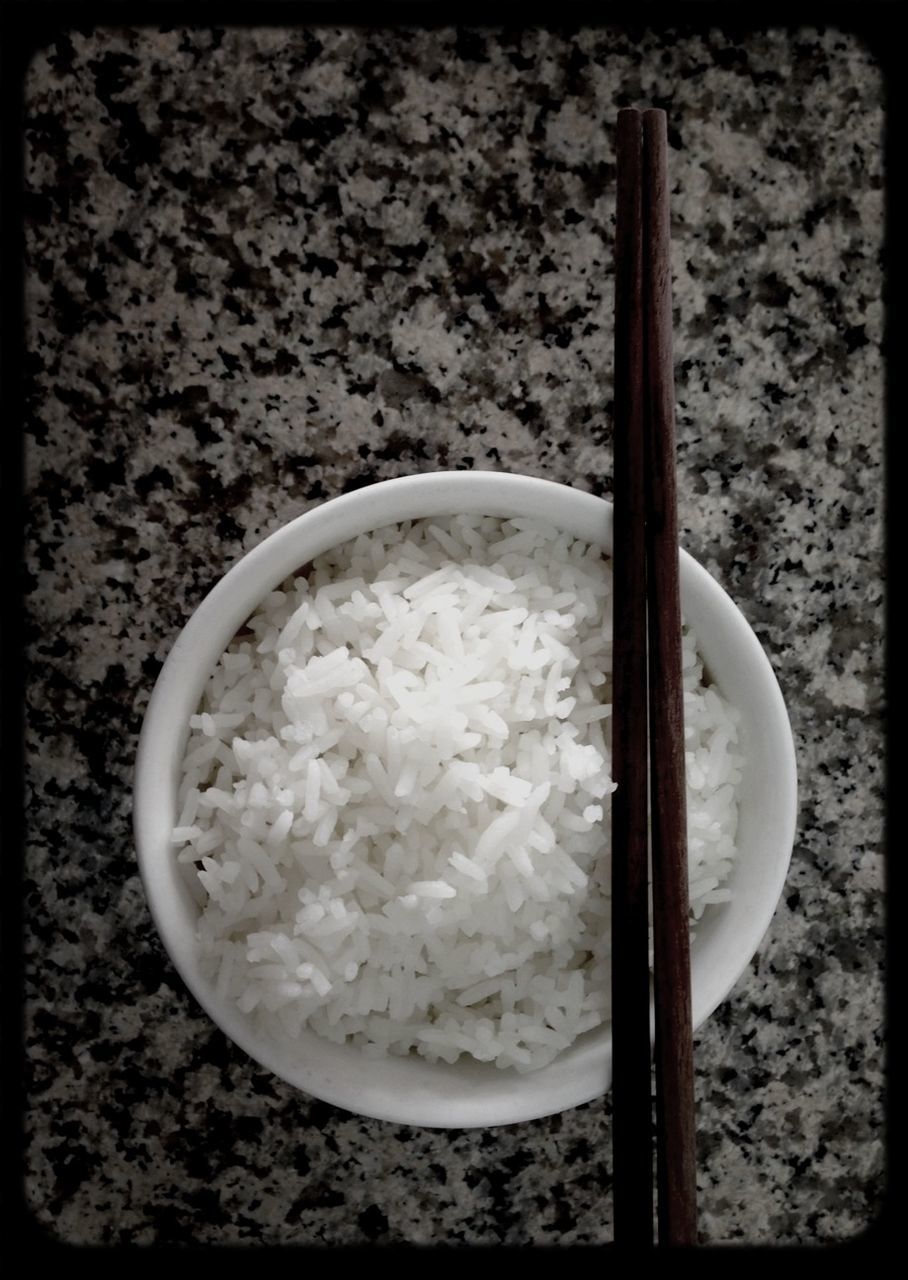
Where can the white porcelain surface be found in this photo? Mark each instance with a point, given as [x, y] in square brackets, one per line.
[469, 1094]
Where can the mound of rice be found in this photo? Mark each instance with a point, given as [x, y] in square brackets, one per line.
[395, 796]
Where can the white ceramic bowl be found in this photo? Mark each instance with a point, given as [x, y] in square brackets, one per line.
[466, 1094]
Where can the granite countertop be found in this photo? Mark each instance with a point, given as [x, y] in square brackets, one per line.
[265, 267]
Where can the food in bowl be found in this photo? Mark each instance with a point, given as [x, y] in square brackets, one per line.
[394, 805]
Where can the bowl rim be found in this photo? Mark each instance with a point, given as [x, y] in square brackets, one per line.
[573, 1078]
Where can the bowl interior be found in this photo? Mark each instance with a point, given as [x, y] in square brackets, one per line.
[466, 1094]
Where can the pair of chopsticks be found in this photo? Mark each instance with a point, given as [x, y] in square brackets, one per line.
[649, 805]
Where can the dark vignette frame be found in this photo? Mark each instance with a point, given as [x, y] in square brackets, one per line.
[28, 26]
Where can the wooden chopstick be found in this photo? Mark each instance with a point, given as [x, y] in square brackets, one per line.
[645, 407]
[675, 1130]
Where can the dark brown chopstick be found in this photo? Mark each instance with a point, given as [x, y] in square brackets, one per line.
[675, 1132]
[646, 406]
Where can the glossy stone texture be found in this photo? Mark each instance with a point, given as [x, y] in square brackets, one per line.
[268, 266]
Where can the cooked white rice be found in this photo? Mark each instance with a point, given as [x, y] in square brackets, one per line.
[394, 809]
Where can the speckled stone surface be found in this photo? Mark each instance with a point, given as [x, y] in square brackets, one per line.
[266, 267]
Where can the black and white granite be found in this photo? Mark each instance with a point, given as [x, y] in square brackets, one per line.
[265, 267]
